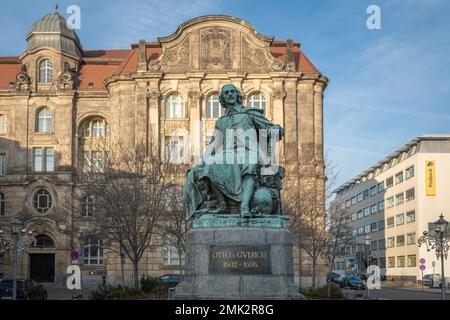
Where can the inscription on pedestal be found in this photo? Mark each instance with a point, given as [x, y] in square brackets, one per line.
[240, 259]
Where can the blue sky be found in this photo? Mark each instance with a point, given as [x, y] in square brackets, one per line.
[387, 86]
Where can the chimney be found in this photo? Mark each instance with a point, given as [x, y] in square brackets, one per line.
[142, 64]
[290, 57]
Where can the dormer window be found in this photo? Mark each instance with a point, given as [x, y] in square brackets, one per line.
[45, 71]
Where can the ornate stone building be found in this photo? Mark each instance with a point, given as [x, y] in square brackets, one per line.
[57, 95]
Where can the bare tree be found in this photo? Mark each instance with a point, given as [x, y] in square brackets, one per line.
[310, 221]
[130, 186]
[173, 230]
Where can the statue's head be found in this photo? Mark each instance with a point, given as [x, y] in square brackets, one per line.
[230, 95]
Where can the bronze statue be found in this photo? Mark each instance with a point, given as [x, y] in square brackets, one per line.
[233, 164]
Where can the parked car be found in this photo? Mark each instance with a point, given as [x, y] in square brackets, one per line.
[351, 281]
[432, 280]
[171, 279]
[332, 275]
[26, 290]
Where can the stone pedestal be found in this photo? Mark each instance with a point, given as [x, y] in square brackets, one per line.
[238, 263]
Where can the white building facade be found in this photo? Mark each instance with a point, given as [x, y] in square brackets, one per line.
[389, 206]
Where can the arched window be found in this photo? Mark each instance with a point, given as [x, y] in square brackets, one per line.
[257, 101]
[42, 201]
[87, 206]
[43, 241]
[213, 108]
[174, 107]
[2, 204]
[44, 120]
[46, 71]
[96, 128]
[2, 123]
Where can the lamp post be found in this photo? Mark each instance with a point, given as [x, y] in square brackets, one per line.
[15, 240]
[367, 253]
[439, 243]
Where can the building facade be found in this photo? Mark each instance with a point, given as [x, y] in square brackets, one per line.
[57, 97]
[389, 206]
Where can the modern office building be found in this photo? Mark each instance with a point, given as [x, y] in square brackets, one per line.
[388, 206]
[57, 97]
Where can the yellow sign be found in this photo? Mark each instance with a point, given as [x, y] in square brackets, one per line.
[430, 177]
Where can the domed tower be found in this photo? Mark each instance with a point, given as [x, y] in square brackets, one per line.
[53, 53]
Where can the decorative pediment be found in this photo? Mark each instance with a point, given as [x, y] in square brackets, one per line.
[215, 43]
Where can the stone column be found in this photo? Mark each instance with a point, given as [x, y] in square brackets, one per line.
[278, 96]
[291, 127]
[154, 101]
[195, 126]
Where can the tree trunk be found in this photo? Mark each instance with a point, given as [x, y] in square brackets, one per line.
[136, 274]
[313, 272]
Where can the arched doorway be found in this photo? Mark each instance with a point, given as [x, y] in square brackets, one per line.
[42, 265]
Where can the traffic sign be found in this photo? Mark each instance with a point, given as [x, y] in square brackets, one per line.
[422, 267]
[74, 254]
[422, 261]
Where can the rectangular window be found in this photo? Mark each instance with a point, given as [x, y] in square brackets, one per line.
[410, 194]
[347, 203]
[399, 177]
[43, 159]
[366, 194]
[354, 216]
[400, 241]
[411, 238]
[409, 172]
[359, 197]
[49, 159]
[381, 225]
[399, 199]
[2, 164]
[374, 245]
[354, 232]
[171, 256]
[38, 159]
[353, 201]
[400, 261]
[343, 205]
[360, 214]
[390, 222]
[382, 263]
[389, 202]
[360, 230]
[389, 182]
[93, 252]
[381, 186]
[391, 262]
[390, 242]
[367, 228]
[175, 149]
[373, 190]
[410, 216]
[411, 260]
[374, 226]
[399, 219]
[86, 161]
[382, 244]
[374, 209]
[2, 124]
[381, 206]
[366, 211]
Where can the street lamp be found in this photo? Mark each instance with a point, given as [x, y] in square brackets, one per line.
[367, 253]
[15, 240]
[439, 243]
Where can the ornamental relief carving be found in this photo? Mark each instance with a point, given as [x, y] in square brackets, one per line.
[257, 57]
[215, 49]
[174, 58]
[174, 125]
